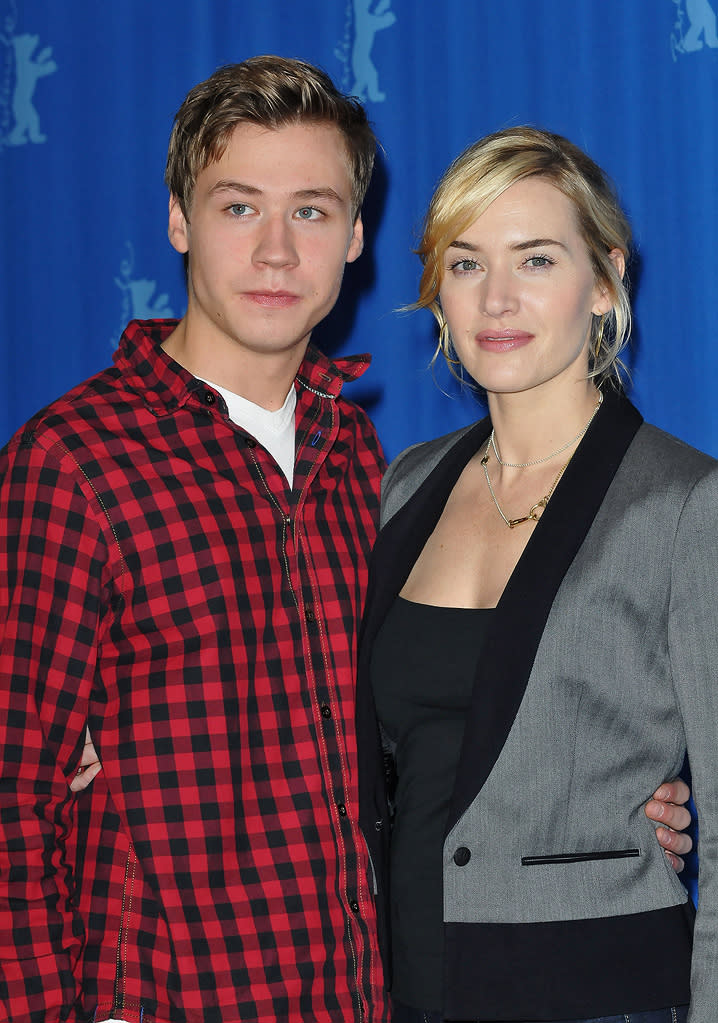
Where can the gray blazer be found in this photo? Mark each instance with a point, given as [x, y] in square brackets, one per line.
[601, 669]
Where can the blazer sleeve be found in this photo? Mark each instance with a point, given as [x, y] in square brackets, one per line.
[693, 648]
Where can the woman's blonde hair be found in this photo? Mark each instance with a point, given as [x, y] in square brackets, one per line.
[482, 173]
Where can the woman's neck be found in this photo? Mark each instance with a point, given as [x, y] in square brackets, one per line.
[531, 427]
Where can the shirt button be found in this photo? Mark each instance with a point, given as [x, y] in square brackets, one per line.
[209, 398]
[326, 711]
[309, 614]
[462, 856]
[354, 906]
[378, 825]
[342, 809]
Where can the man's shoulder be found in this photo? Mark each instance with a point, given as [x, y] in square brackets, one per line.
[80, 410]
[110, 389]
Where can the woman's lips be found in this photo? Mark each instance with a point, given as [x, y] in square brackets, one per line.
[503, 340]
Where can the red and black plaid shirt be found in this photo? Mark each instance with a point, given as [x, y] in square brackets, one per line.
[159, 581]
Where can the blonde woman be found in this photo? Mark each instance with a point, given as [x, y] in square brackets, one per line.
[541, 633]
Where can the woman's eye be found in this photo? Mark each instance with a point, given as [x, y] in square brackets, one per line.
[464, 266]
[537, 262]
[308, 213]
[239, 209]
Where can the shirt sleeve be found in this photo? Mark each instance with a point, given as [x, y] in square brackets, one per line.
[693, 639]
[52, 558]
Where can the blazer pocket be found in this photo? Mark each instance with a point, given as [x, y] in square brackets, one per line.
[579, 857]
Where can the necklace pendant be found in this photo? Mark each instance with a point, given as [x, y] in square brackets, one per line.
[532, 516]
[518, 522]
[534, 509]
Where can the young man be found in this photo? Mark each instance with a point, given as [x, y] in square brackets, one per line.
[183, 549]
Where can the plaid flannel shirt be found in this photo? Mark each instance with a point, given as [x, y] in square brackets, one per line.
[160, 581]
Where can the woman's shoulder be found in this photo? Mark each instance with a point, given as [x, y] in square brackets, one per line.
[673, 454]
[668, 471]
[411, 467]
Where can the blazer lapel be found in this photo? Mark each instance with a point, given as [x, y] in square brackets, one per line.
[402, 540]
[524, 607]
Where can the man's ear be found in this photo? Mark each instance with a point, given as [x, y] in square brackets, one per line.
[356, 244]
[178, 228]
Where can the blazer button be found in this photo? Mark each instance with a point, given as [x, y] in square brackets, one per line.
[462, 856]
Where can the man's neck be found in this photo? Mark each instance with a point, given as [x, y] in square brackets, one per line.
[263, 378]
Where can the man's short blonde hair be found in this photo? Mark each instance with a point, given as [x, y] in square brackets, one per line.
[271, 92]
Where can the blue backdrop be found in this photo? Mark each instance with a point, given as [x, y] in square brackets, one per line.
[87, 95]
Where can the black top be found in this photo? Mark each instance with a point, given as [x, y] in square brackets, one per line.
[422, 672]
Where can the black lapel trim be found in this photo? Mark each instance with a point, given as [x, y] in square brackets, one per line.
[402, 540]
[397, 548]
[521, 614]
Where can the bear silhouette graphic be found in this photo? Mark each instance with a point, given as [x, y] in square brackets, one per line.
[28, 70]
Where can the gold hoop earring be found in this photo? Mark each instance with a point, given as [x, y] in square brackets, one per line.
[445, 339]
[599, 338]
[446, 345]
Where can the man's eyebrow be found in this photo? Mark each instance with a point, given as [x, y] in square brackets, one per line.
[325, 193]
[227, 185]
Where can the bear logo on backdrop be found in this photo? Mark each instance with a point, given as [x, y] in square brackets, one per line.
[139, 301]
[22, 64]
[364, 18]
[694, 27]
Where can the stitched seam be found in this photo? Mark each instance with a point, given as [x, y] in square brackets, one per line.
[122, 937]
[101, 503]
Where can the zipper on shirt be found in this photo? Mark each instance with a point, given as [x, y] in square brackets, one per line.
[319, 394]
[286, 522]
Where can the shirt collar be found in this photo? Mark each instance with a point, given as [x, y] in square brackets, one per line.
[166, 386]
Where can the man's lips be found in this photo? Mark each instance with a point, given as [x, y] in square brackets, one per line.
[503, 340]
[272, 299]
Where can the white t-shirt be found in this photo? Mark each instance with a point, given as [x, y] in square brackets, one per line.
[274, 430]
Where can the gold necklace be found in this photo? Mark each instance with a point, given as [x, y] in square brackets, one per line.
[533, 515]
[546, 458]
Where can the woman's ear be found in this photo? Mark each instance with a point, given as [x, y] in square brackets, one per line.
[604, 302]
[618, 258]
